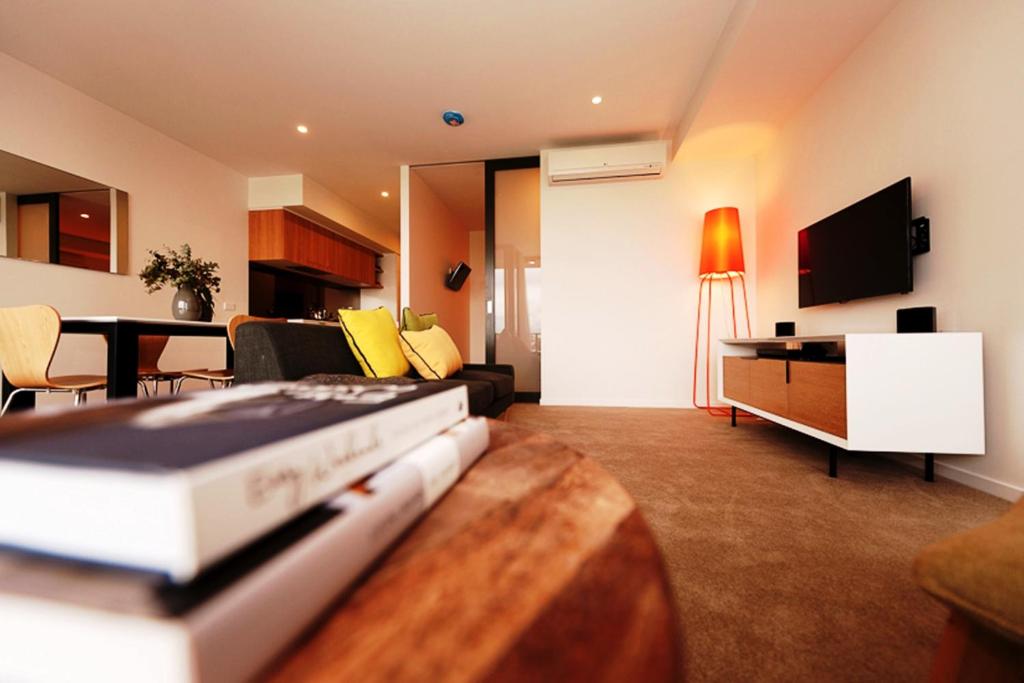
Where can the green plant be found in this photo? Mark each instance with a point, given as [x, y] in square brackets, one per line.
[179, 269]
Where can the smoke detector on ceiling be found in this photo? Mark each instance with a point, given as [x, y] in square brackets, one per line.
[453, 118]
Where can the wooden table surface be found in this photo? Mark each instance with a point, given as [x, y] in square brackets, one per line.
[536, 566]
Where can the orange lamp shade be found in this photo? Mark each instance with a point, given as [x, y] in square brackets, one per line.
[721, 250]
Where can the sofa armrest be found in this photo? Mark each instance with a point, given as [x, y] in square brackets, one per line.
[980, 572]
[500, 368]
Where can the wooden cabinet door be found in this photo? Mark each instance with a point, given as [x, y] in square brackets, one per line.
[817, 396]
[736, 378]
[284, 240]
[768, 389]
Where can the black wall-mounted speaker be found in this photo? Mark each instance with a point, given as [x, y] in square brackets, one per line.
[458, 276]
[919, 319]
[785, 329]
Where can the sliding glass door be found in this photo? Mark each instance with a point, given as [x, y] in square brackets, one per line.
[512, 207]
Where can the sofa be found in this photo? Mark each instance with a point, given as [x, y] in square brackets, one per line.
[979, 574]
[275, 352]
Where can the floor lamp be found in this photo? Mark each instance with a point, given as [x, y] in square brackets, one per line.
[721, 260]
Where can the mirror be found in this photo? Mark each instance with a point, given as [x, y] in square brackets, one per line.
[50, 216]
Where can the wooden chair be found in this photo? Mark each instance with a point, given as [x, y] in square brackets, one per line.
[28, 340]
[151, 347]
[224, 377]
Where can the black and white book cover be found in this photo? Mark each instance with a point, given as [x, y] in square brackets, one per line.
[174, 484]
[64, 620]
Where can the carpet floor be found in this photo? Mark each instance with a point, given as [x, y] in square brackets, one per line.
[779, 572]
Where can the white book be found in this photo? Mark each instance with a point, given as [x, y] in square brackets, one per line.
[61, 621]
[173, 485]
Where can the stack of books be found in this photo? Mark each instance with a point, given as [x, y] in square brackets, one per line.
[193, 538]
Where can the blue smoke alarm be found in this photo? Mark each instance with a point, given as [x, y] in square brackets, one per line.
[453, 118]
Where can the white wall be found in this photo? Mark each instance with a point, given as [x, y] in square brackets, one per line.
[175, 194]
[387, 295]
[621, 264]
[934, 93]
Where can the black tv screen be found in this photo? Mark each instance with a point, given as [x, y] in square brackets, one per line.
[861, 251]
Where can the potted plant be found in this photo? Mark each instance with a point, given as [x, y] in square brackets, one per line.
[194, 279]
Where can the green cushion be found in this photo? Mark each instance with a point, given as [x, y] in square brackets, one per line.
[414, 322]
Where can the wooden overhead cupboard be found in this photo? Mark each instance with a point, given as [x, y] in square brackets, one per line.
[283, 240]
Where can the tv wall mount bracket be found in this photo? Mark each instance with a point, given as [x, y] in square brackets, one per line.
[920, 236]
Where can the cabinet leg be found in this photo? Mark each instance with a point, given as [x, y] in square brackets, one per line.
[833, 461]
[929, 467]
[733, 415]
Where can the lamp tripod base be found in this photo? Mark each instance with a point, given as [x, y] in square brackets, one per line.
[709, 279]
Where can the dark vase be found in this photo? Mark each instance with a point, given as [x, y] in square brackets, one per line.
[187, 306]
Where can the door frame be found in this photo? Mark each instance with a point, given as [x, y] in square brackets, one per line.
[53, 200]
[491, 167]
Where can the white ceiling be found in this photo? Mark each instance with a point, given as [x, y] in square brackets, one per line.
[370, 79]
[783, 52]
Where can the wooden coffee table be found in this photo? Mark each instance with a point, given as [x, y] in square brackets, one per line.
[536, 566]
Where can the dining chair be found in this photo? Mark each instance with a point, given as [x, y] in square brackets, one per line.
[151, 347]
[29, 336]
[224, 377]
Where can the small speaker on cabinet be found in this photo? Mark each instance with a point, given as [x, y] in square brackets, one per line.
[785, 329]
[919, 319]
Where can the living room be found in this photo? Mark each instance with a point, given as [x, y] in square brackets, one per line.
[424, 194]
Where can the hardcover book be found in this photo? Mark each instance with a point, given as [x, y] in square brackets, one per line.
[63, 620]
[172, 485]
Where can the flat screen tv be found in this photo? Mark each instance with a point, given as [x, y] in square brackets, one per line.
[861, 251]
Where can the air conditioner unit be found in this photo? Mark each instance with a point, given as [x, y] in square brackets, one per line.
[607, 163]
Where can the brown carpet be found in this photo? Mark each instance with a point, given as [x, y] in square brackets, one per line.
[779, 572]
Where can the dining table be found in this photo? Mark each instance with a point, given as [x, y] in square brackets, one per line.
[122, 334]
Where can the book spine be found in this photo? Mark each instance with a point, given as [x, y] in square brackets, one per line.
[238, 500]
[240, 631]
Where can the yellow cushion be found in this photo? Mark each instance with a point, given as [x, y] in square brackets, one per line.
[373, 338]
[432, 352]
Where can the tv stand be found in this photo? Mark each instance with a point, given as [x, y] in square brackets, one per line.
[889, 393]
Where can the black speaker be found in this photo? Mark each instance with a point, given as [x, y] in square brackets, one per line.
[457, 277]
[785, 329]
[920, 319]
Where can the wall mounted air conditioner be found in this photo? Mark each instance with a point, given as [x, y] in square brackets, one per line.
[607, 163]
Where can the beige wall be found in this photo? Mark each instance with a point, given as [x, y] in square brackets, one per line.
[436, 241]
[621, 263]
[175, 195]
[934, 93]
[477, 285]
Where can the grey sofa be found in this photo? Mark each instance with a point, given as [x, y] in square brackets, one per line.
[267, 351]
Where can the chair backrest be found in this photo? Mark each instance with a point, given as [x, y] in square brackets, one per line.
[28, 340]
[151, 347]
[238, 320]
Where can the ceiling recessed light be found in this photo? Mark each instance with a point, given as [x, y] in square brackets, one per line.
[385, 193]
[84, 215]
[597, 99]
[302, 128]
